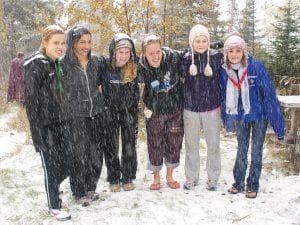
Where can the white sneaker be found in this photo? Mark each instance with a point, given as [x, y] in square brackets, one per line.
[60, 214]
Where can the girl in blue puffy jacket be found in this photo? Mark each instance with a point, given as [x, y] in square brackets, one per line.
[249, 102]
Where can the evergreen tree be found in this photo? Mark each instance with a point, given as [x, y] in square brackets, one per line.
[207, 13]
[248, 28]
[285, 44]
[233, 22]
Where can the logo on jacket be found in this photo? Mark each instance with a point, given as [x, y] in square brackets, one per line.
[164, 86]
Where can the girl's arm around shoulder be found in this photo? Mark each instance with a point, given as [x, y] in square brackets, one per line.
[103, 62]
[141, 72]
[102, 59]
[181, 52]
[218, 56]
[103, 66]
[94, 58]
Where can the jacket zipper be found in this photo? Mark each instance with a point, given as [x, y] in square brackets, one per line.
[88, 87]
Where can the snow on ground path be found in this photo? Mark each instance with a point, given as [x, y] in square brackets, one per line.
[23, 198]
[10, 141]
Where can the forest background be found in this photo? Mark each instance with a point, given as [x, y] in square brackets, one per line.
[270, 28]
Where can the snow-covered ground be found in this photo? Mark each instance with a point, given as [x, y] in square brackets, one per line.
[23, 198]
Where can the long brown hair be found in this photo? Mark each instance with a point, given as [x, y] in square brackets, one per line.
[128, 71]
[48, 32]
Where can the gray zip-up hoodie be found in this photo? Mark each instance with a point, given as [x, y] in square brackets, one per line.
[81, 86]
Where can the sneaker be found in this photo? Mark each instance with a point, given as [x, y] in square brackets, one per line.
[211, 188]
[189, 185]
[128, 186]
[60, 214]
[84, 200]
[93, 195]
[211, 185]
[115, 187]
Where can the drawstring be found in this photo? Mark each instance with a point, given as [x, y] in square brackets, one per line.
[58, 75]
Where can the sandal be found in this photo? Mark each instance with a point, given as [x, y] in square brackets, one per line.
[155, 187]
[173, 184]
[233, 190]
[251, 194]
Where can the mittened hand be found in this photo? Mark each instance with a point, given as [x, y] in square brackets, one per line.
[147, 113]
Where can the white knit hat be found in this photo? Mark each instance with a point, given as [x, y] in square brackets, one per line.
[199, 30]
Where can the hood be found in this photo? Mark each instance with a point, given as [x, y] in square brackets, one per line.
[73, 35]
[117, 38]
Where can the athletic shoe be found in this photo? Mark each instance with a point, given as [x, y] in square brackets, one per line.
[128, 186]
[60, 214]
[114, 187]
[189, 185]
[84, 201]
[93, 195]
[211, 188]
[211, 185]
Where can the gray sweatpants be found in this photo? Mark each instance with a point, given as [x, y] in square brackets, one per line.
[210, 123]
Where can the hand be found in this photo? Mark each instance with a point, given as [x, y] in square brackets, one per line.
[147, 113]
[281, 141]
[217, 45]
[280, 138]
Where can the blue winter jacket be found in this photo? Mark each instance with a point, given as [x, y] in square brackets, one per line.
[263, 99]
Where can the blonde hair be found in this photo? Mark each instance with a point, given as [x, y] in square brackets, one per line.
[129, 71]
[48, 32]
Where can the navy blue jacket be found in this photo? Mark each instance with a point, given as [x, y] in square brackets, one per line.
[201, 93]
[119, 95]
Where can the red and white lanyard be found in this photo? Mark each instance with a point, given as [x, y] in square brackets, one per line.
[238, 84]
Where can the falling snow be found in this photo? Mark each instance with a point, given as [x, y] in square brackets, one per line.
[23, 198]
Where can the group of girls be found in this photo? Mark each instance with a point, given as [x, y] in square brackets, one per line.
[78, 103]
